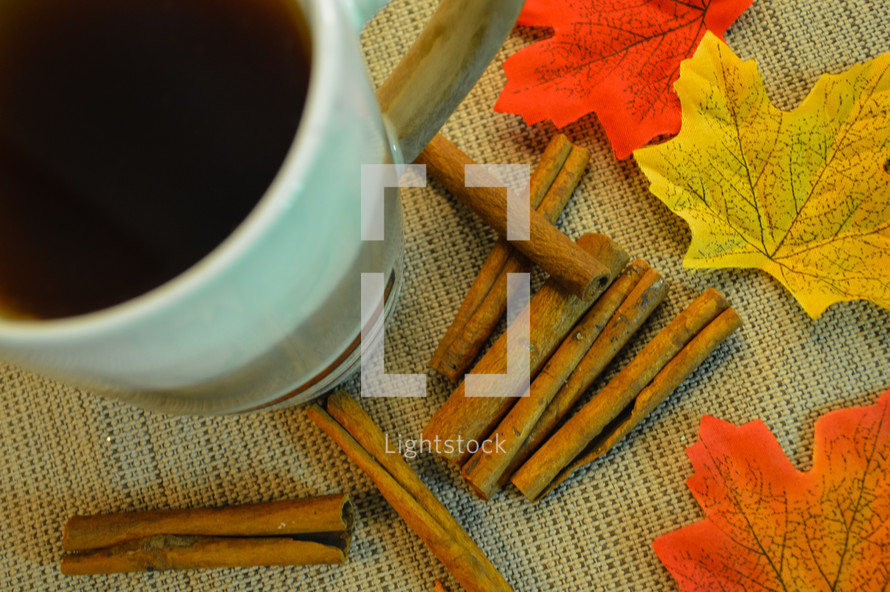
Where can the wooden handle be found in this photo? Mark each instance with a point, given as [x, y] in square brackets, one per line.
[446, 60]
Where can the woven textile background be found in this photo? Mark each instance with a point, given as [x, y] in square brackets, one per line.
[64, 452]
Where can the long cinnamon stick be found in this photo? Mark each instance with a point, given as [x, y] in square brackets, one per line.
[670, 377]
[572, 438]
[552, 184]
[438, 529]
[579, 272]
[349, 414]
[552, 313]
[324, 514]
[642, 301]
[484, 471]
[166, 552]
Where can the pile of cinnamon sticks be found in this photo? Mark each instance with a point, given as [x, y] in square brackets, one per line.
[578, 322]
[574, 334]
[552, 183]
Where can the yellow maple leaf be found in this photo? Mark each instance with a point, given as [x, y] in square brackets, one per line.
[803, 195]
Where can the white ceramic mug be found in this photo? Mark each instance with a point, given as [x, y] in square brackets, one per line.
[272, 315]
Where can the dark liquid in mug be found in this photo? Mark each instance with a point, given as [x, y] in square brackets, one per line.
[135, 135]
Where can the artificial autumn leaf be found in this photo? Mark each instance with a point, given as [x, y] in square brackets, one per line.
[615, 58]
[803, 195]
[770, 527]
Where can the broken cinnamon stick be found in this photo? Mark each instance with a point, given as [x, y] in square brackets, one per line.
[552, 314]
[670, 377]
[407, 494]
[485, 471]
[323, 514]
[579, 272]
[647, 294]
[533, 477]
[166, 552]
[552, 184]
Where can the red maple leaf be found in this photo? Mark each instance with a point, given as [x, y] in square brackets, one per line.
[771, 527]
[617, 58]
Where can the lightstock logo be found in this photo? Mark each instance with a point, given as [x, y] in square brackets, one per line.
[375, 382]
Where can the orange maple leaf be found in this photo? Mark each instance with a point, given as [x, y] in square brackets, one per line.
[771, 527]
[617, 58]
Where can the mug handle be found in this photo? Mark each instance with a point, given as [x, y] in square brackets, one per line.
[449, 55]
[362, 11]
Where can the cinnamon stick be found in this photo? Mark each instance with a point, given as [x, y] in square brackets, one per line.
[557, 197]
[349, 414]
[579, 272]
[533, 478]
[670, 377]
[408, 496]
[485, 470]
[454, 358]
[552, 184]
[324, 514]
[166, 552]
[552, 313]
[639, 305]
[552, 160]
[466, 344]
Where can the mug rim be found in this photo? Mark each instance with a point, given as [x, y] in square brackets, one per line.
[319, 15]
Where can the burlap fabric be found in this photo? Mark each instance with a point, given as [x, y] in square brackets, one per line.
[65, 452]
